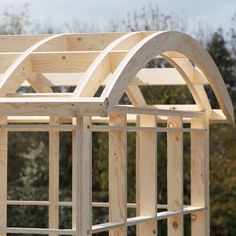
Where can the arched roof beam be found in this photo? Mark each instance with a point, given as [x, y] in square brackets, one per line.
[20, 70]
[157, 44]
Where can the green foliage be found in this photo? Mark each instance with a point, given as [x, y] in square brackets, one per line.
[223, 179]
[217, 47]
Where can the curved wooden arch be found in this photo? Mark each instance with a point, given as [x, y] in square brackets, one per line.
[113, 60]
[156, 44]
[89, 84]
[8, 83]
[96, 73]
[185, 69]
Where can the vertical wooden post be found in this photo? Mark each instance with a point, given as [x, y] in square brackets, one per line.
[3, 175]
[200, 176]
[175, 175]
[146, 174]
[53, 176]
[82, 177]
[75, 174]
[118, 174]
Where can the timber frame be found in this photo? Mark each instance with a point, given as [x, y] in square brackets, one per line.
[117, 62]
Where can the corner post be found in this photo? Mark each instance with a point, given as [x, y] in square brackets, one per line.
[82, 177]
[200, 176]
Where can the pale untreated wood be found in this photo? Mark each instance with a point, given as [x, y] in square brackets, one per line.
[3, 175]
[175, 175]
[146, 175]
[118, 175]
[82, 177]
[53, 177]
[200, 177]
[77, 82]
[156, 44]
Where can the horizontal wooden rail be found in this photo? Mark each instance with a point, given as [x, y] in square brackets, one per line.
[94, 128]
[94, 204]
[69, 204]
[145, 77]
[54, 106]
[141, 219]
[17, 230]
[152, 110]
[106, 128]
[216, 116]
[100, 227]
[37, 127]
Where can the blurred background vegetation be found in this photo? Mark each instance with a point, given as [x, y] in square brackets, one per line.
[28, 152]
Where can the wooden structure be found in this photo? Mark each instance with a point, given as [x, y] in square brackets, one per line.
[117, 62]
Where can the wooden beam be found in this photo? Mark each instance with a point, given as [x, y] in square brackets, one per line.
[217, 116]
[19, 231]
[118, 175]
[57, 106]
[82, 178]
[19, 43]
[3, 175]
[53, 177]
[153, 110]
[200, 177]
[175, 175]
[163, 76]
[146, 175]
[61, 62]
[91, 41]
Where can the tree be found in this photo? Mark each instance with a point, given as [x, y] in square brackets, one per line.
[222, 147]
[217, 47]
[16, 21]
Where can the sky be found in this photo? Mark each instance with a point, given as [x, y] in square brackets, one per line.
[57, 12]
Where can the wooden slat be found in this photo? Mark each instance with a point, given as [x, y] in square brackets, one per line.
[118, 174]
[153, 110]
[61, 62]
[146, 175]
[145, 219]
[75, 176]
[27, 203]
[175, 176]
[200, 177]
[163, 76]
[3, 175]
[91, 41]
[19, 231]
[19, 43]
[53, 177]
[131, 118]
[146, 77]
